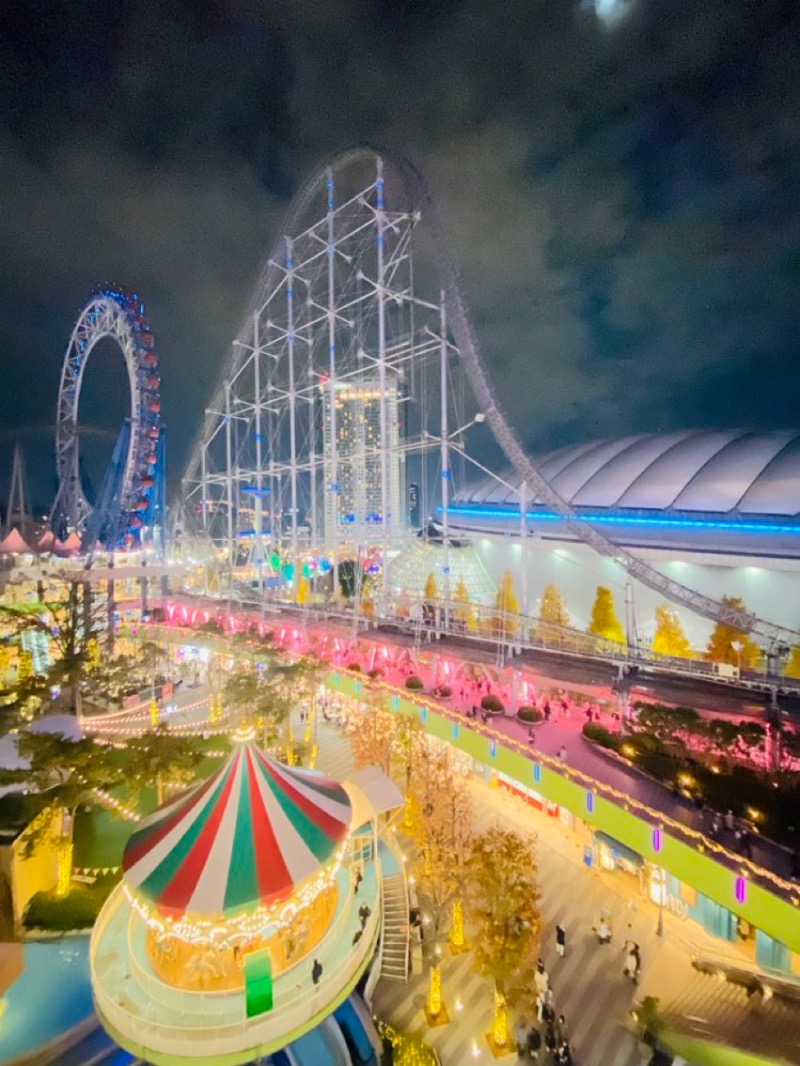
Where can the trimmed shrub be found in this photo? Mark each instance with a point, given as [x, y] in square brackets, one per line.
[414, 683]
[77, 910]
[492, 704]
[354, 668]
[374, 673]
[602, 736]
[444, 692]
[529, 715]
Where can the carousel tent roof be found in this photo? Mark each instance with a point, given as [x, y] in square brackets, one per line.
[70, 546]
[13, 543]
[245, 837]
[46, 542]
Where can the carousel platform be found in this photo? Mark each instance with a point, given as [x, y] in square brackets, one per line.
[166, 1025]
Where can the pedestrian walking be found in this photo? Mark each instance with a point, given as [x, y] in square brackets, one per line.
[548, 1008]
[564, 1055]
[631, 961]
[316, 971]
[541, 979]
[550, 1042]
[521, 1035]
[562, 753]
[561, 941]
[534, 1044]
[562, 1032]
[729, 819]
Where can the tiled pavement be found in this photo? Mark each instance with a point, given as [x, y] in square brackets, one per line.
[590, 989]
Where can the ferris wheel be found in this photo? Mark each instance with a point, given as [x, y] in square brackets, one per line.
[127, 501]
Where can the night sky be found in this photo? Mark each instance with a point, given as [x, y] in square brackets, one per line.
[621, 181]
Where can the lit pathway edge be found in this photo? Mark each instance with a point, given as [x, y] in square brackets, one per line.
[684, 852]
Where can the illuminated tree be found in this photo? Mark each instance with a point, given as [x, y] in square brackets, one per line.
[720, 647]
[670, 638]
[431, 592]
[68, 773]
[604, 621]
[503, 909]
[462, 610]
[372, 740]
[303, 591]
[168, 759]
[552, 608]
[507, 606]
[793, 666]
[441, 829]
[71, 624]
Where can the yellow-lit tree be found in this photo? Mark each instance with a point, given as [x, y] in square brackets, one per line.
[303, 591]
[793, 666]
[431, 591]
[462, 609]
[604, 621]
[441, 829]
[507, 606]
[503, 909]
[552, 609]
[670, 638]
[720, 647]
[373, 739]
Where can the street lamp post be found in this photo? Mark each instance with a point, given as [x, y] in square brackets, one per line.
[738, 647]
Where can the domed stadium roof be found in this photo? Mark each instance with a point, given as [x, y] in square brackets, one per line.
[711, 471]
[246, 837]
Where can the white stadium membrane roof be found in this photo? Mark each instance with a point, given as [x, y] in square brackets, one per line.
[713, 472]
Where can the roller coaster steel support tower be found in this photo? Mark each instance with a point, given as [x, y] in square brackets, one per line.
[353, 297]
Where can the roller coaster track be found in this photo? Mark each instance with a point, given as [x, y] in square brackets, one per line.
[419, 199]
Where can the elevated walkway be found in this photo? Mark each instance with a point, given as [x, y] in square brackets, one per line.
[395, 953]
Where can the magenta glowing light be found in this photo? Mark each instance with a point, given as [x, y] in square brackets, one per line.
[741, 889]
[658, 841]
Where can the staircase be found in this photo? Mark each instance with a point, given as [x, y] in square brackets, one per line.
[394, 959]
[714, 1009]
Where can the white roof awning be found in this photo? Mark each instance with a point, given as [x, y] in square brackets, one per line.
[371, 793]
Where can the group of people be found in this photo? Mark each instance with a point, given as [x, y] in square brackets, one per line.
[740, 829]
[554, 1037]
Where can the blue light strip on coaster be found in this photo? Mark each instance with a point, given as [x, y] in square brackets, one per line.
[629, 520]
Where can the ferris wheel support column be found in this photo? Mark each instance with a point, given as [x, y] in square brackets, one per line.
[259, 507]
[292, 395]
[445, 460]
[333, 487]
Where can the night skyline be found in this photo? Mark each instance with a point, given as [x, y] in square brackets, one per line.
[618, 193]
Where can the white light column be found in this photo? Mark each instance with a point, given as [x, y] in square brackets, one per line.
[386, 518]
[445, 461]
[333, 487]
[290, 339]
[259, 486]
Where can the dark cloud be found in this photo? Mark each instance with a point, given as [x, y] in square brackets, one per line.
[622, 198]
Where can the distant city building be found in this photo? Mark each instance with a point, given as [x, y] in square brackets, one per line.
[352, 462]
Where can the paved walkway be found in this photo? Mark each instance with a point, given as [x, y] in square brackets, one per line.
[589, 986]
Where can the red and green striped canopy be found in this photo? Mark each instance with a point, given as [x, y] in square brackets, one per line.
[243, 838]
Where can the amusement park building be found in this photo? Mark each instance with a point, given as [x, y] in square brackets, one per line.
[717, 510]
